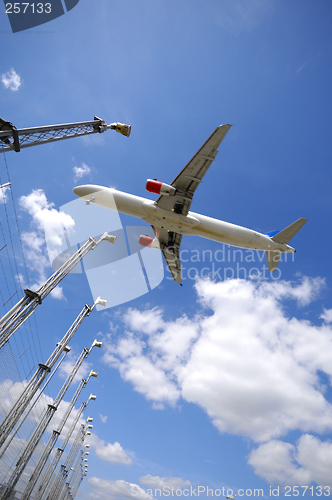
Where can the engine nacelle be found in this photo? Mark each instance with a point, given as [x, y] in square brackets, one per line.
[146, 241]
[154, 186]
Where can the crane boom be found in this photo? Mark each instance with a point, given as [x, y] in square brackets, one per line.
[13, 139]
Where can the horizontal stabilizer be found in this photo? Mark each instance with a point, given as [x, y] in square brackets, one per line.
[287, 234]
[272, 258]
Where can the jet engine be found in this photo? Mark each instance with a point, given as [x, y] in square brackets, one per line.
[154, 186]
[146, 241]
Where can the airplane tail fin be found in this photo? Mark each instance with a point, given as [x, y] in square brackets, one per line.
[284, 236]
[287, 234]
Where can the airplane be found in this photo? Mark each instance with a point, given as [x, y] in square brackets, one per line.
[170, 217]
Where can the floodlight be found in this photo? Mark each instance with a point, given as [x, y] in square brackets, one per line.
[108, 237]
[92, 397]
[101, 302]
[89, 419]
[90, 426]
[96, 343]
[123, 129]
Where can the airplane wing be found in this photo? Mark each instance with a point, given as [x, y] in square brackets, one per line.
[170, 245]
[192, 174]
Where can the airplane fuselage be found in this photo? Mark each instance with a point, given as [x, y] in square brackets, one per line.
[191, 224]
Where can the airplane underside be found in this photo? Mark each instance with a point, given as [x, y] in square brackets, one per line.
[170, 217]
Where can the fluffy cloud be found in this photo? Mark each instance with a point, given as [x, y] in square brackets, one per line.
[45, 220]
[283, 463]
[81, 171]
[11, 391]
[327, 315]
[113, 453]
[156, 482]
[254, 370]
[11, 80]
[3, 196]
[122, 490]
[103, 418]
[45, 217]
[67, 366]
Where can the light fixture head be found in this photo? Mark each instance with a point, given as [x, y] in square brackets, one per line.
[101, 302]
[123, 129]
[96, 343]
[109, 237]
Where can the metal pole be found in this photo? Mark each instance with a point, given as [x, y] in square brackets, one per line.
[63, 473]
[72, 475]
[25, 307]
[35, 382]
[23, 417]
[52, 467]
[54, 437]
[41, 427]
[13, 139]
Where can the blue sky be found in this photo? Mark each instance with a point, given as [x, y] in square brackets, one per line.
[219, 383]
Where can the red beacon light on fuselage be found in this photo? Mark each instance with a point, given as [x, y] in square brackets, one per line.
[147, 241]
[154, 186]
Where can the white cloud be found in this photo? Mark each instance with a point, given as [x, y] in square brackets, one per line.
[113, 453]
[327, 315]
[11, 80]
[283, 463]
[45, 220]
[150, 321]
[122, 490]
[156, 482]
[142, 372]
[68, 364]
[45, 217]
[253, 369]
[3, 196]
[81, 171]
[238, 16]
[11, 391]
[103, 418]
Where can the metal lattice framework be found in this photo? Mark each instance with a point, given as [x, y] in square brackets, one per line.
[13, 139]
[41, 427]
[59, 485]
[46, 481]
[14, 318]
[37, 379]
[54, 437]
[22, 416]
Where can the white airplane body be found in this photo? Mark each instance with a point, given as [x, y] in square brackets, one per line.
[170, 217]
